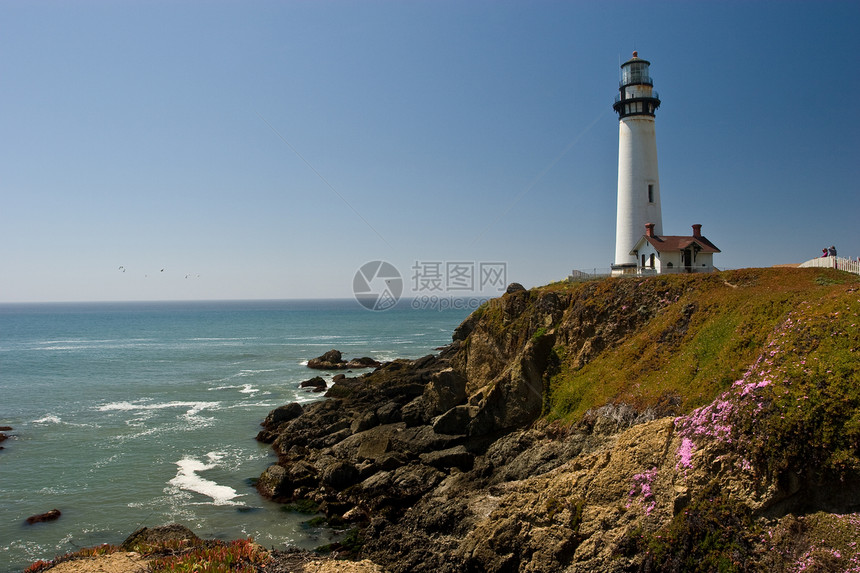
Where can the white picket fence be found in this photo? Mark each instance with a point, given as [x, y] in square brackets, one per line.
[840, 263]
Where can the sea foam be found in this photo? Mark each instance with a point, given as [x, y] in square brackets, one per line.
[194, 408]
[188, 480]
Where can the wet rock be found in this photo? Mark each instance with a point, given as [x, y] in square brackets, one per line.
[363, 362]
[316, 384]
[331, 360]
[275, 419]
[52, 515]
[283, 414]
[4, 437]
[416, 412]
[271, 483]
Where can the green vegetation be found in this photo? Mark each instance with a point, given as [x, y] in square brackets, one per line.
[241, 556]
[676, 342]
[350, 544]
[538, 334]
[814, 542]
[806, 416]
[305, 506]
[712, 534]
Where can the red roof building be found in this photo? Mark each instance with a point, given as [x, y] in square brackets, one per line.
[673, 253]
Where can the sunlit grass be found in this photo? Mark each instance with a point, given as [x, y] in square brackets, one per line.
[693, 337]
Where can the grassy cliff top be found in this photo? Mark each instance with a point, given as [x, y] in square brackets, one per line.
[779, 348]
[678, 341]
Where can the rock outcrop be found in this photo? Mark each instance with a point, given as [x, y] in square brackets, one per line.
[161, 534]
[316, 384]
[333, 360]
[52, 515]
[619, 425]
[4, 437]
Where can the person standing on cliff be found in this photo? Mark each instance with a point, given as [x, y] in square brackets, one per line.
[832, 252]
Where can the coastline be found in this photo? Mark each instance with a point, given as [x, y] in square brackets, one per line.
[463, 460]
[151, 408]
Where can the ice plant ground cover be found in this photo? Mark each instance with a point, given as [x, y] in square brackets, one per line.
[642, 493]
[239, 556]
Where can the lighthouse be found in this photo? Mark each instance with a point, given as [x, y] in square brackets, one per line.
[638, 178]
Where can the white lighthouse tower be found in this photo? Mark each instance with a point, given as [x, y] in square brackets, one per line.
[638, 179]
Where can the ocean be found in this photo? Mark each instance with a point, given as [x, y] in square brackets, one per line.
[139, 414]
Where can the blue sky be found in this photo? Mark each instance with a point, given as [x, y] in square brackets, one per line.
[269, 149]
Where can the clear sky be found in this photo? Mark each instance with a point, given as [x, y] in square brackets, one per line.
[270, 149]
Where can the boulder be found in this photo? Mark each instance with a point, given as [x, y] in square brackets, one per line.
[455, 421]
[316, 384]
[456, 457]
[52, 515]
[447, 388]
[271, 483]
[364, 422]
[388, 413]
[331, 360]
[416, 412]
[275, 419]
[340, 474]
[363, 362]
[369, 444]
[158, 535]
[514, 287]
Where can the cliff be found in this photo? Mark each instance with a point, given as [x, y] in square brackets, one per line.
[674, 423]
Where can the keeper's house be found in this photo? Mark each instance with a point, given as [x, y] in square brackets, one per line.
[674, 254]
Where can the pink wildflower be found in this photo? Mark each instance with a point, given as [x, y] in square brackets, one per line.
[642, 490]
[685, 454]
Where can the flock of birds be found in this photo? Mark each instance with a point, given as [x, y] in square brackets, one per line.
[188, 275]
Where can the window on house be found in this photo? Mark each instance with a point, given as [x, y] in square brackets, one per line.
[652, 261]
[643, 260]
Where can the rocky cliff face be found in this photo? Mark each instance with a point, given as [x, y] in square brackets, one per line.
[676, 423]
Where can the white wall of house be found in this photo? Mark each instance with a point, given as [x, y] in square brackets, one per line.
[672, 262]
